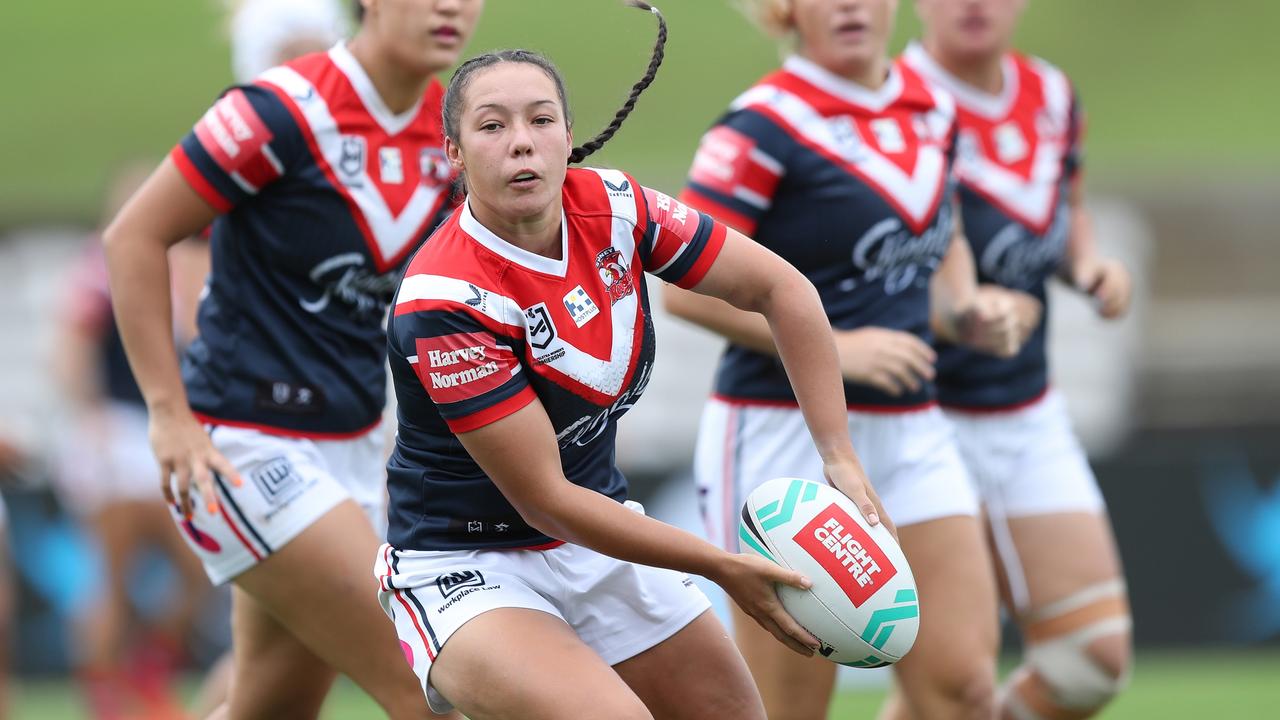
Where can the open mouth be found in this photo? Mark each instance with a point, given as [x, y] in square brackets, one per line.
[524, 179]
[853, 28]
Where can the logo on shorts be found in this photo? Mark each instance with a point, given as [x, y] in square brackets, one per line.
[278, 481]
[451, 583]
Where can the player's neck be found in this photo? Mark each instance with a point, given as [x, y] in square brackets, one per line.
[538, 234]
[984, 72]
[399, 89]
[871, 75]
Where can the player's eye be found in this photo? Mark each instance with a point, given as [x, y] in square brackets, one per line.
[543, 120]
[491, 126]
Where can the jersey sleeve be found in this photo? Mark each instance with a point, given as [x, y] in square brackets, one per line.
[736, 170]
[469, 370]
[680, 243]
[246, 141]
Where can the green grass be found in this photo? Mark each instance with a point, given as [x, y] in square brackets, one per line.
[1172, 88]
[1172, 686]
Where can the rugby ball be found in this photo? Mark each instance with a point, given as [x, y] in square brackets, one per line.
[862, 606]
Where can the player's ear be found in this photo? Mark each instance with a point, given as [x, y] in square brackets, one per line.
[453, 151]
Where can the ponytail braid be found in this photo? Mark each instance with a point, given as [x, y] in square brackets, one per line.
[582, 151]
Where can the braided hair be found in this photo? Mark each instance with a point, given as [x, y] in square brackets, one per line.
[453, 96]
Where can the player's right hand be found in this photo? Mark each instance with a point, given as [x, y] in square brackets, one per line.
[186, 455]
[750, 581]
[889, 360]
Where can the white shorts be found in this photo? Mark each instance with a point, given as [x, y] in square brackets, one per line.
[108, 460]
[910, 458]
[1027, 461]
[618, 609]
[289, 483]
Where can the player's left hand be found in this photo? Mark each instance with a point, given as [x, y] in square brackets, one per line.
[848, 478]
[999, 321]
[1107, 281]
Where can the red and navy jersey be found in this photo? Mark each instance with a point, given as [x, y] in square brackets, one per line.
[481, 328]
[851, 186]
[1018, 155]
[324, 194]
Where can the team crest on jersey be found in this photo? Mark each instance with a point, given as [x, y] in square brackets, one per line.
[614, 273]
[580, 306]
[433, 166]
[351, 159]
[541, 331]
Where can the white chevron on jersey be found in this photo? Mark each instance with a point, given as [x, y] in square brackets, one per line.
[391, 233]
[605, 375]
[916, 193]
[500, 308]
[1032, 199]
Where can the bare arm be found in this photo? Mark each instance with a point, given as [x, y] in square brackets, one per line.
[529, 474]
[163, 211]
[987, 318]
[1105, 279]
[758, 283]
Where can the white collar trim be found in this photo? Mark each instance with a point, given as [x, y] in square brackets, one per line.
[533, 261]
[373, 102]
[991, 106]
[847, 90]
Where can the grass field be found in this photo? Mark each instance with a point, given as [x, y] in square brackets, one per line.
[1172, 86]
[1239, 686]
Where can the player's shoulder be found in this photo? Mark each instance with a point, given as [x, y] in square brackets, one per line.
[920, 93]
[603, 191]
[1048, 81]
[452, 277]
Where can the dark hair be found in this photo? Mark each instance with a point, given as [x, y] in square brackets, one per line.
[359, 12]
[462, 78]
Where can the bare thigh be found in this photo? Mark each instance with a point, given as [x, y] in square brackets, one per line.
[273, 674]
[1058, 555]
[791, 686]
[516, 663]
[950, 673]
[696, 673]
[320, 588]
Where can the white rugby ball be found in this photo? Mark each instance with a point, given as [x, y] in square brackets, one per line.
[862, 605]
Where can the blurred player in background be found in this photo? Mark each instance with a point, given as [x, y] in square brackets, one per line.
[266, 33]
[1022, 203]
[108, 477]
[840, 162]
[521, 581]
[323, 175]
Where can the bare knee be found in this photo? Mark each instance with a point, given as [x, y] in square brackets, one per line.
[971, 690]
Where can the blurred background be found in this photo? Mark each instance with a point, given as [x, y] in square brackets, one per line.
[1179, 405]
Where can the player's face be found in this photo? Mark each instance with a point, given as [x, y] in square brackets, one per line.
[844, 36]
[424, 36]
[970, 28]
[514, 141]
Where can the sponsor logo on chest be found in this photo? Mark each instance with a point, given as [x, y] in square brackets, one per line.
[580, 306]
